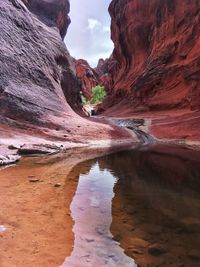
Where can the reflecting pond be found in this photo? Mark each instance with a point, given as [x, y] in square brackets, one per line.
[131, 208]
[141, 206]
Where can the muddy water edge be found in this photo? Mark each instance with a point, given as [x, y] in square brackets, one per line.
[151, 212]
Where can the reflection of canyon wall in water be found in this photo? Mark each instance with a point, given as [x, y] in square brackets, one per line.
[158, 172]
[155, 174]
[156, 204]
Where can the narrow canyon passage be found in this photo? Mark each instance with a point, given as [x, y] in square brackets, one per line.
[119, 188]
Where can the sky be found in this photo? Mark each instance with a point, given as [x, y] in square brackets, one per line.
[88, 35]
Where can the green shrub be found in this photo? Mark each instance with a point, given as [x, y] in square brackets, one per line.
[98, 94]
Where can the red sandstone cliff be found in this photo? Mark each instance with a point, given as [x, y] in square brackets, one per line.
[157, 53]
[51, 12]
[104, 71]
[87, 75]
[90, 77]
[37, 79]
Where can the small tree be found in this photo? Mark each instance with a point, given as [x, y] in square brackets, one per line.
[98, 94]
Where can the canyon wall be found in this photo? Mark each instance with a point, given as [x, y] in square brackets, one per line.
[87, 76]
[34, 62]
[157, 49]
[51, 12]
[157, 56]
[38, 82]
[90, 77]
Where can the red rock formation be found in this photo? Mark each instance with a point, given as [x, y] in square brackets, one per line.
[37, 78]
[50, 12]
[104, 70]
[34, 70]
[102, 66]
[90, 77]
[87, 76]
[157, 53]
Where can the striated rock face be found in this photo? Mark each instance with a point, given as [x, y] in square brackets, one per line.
[34, 62]
[87, 76]
[37, 78]
[104, 71]
[51, 12]
[157, 53]
[102, 66]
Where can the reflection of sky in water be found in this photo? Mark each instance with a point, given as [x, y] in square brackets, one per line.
[2, 228]
[91, 211]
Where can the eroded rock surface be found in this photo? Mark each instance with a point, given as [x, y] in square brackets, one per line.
[157, 62]
[33, 63]
[38, 83]
[87, 76]
[51, 12]
[157, 52]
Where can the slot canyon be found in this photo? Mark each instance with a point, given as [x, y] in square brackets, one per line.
[119, 188]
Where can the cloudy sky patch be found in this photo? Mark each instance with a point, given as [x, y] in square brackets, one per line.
[88, 35]
[94, 24]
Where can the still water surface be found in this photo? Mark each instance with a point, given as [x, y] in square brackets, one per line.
[130, 208]
[91, 210]
[141, 206]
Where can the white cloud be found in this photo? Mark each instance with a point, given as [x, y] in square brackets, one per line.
[106, 29]
[88, 36]
[93, 24]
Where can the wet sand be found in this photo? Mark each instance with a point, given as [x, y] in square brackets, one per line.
[35, 196]
[35, 214]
